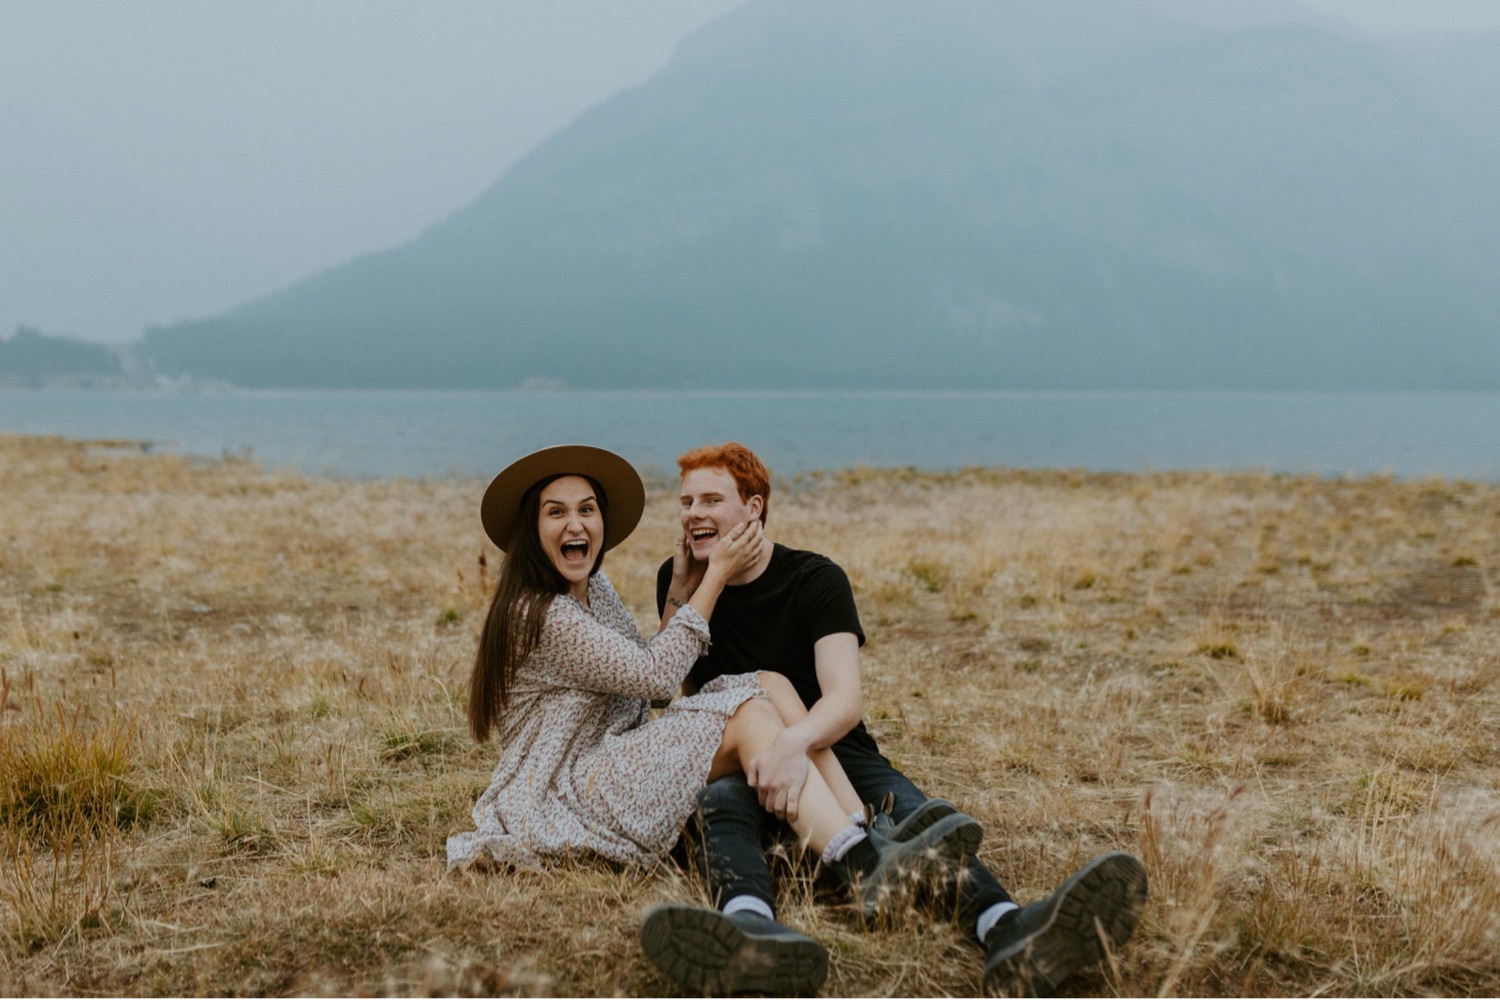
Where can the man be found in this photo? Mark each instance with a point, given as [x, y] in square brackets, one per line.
[793, 612]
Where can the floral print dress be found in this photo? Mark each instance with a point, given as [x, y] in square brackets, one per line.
[582, 769]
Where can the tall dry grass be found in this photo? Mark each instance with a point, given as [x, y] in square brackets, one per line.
[232, 740]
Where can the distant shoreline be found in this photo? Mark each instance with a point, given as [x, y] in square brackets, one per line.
[378, 434]
[897, 475]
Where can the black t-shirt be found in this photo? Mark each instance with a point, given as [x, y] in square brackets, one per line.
[772, 622]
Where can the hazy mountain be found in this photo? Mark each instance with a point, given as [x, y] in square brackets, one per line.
[30, 357]
[1462, 72]
[1057, 193]
[1249, 14]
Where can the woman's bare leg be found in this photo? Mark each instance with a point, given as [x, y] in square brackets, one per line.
[789, 706]
[752, 728]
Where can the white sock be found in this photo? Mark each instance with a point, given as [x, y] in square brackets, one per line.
[858, 819]
[747, 902]
[841, 842]
[990, 917]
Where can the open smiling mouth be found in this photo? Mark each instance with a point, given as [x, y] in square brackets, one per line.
[704, 534]
[575, 552]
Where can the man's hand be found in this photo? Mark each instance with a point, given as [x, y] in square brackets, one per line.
[778, 773]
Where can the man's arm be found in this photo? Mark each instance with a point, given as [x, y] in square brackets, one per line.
[780, 770]
[836, 659]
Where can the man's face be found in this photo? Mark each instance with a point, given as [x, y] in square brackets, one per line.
[711, 507]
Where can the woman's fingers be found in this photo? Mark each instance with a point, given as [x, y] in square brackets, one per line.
[682, 558]
[737, 535]
[741, 545]
[745, 536]
[755, 542]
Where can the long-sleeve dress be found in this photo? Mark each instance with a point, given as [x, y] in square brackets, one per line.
[581, 769]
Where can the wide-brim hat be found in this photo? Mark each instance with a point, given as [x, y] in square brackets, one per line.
[624, 493]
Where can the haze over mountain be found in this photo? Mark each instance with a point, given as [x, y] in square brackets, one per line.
[1037, 193]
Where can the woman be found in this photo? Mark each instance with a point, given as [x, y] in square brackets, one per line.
[565, 676]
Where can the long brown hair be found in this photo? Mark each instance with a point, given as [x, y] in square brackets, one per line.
[513, 627]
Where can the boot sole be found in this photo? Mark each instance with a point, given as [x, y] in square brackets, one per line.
[705, 952]
[1099, 904]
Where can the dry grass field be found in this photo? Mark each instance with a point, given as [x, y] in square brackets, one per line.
[233, 739]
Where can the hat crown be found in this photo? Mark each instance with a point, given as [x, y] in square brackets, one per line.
[624, 492]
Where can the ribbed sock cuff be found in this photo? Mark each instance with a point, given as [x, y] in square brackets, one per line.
[841, 842]
[990, 917]
[747, 902]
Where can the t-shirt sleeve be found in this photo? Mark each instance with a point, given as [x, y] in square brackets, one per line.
[829, 600]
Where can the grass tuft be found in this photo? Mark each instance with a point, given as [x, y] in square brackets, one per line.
[60, 779]
[64, 798]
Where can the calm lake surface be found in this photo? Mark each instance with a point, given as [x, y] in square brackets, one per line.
[434, 434]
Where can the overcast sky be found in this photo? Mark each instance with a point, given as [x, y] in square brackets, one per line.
[167, 159]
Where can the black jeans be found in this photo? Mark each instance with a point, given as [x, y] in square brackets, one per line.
[730, 851]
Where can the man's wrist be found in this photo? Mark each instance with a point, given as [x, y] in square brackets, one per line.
[798, 737]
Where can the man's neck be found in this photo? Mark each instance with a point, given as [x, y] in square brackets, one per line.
[753, 573]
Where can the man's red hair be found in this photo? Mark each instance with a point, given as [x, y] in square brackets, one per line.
[750, 476]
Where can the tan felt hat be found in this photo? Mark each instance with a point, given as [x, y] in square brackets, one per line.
[624, 493]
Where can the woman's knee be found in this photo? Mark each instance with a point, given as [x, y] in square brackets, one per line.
[757, 711]
[783, 696]
[755, 715]
[751, 725]
[775, 684]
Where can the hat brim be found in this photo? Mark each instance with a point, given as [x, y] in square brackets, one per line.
[500, 510]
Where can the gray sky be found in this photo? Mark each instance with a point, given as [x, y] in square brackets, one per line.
[1410, 15]
[167, 159]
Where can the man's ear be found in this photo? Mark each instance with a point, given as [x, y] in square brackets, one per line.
[756, 504]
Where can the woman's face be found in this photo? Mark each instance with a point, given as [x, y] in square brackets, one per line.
[571, 528]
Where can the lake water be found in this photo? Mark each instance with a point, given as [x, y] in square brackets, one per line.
[390, 433]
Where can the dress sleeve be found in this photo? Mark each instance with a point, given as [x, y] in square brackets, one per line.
[579, 651]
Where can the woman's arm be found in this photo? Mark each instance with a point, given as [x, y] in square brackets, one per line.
[579, 651]
[698, 585]
[687, 575]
